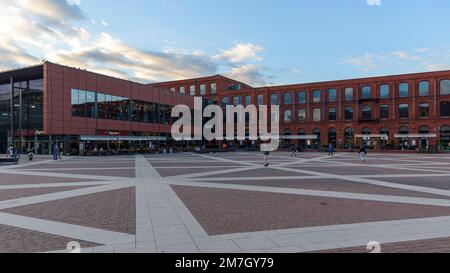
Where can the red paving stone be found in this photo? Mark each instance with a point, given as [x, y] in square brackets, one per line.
[111, 210]
[439, 245]
[17, 240]
[437, 182]
[222, 211]
[183, 171]
[337, 185]
[194, 164]
[19, 179]
[9, 194]
[352, 170]
[263, 172]
[117, 172]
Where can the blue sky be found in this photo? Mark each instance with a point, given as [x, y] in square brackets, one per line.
[262, 42]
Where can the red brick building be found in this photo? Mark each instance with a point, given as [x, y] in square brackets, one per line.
[79, 110]
[401, 111]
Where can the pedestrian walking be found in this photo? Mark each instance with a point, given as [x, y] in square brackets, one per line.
[266, 159]
[58, 152]
[330, 149]
[54, 151]
[293, 150]
[363, 153]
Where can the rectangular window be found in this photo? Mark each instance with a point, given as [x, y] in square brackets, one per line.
[182, 90]
[248, 100]
[225, 102]
[332, 114]
[348, 113]
[384, 111]
[424, 110]
[192, 90]
[317, 96]
[302, 97]
[202, 89]
[403, 111]
[287, 98]
[274, 99]
[213, 88]
[317, 115]
[332, 95]
[236, 101]
[348, 94]
[302, 115]
[445, 109]
[101, 105]
[287, 116]
[260, 99]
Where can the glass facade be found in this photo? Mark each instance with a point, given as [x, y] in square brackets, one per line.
[27, 112]
[89, 104]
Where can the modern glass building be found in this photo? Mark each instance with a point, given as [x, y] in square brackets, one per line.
[81, 111]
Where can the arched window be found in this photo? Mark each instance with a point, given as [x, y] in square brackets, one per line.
[384, 111]
[384, 91]
[384, 131]
[366, 112]
[275, 99]
[366, 92]
[424, 110]
[287, 115]
[348, 94]
[317, 96]
[260, 99]
[445, 137]
[316, 132]
[403, 111]
[332, 94]
[287, 98]
[445, 87]
[365, 131]
[403, 90]
[349, 135]
[302, 97]
[332, 114]
[403, 131]
[424, 88]
[424, 130]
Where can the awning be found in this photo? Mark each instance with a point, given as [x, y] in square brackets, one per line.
[415, 135]
[123, 138]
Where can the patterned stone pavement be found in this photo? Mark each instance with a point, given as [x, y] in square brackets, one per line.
[227, 203]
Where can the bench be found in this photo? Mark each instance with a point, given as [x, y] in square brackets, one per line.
[14, 161]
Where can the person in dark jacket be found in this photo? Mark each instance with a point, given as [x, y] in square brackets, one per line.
[293, 150]
[330, 149]
[363, 153]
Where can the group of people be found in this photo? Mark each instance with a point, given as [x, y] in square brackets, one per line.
[362, 153]
[12, 152]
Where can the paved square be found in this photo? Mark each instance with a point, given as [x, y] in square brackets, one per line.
[227, 203]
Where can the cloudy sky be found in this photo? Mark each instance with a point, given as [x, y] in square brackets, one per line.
[261, 42]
